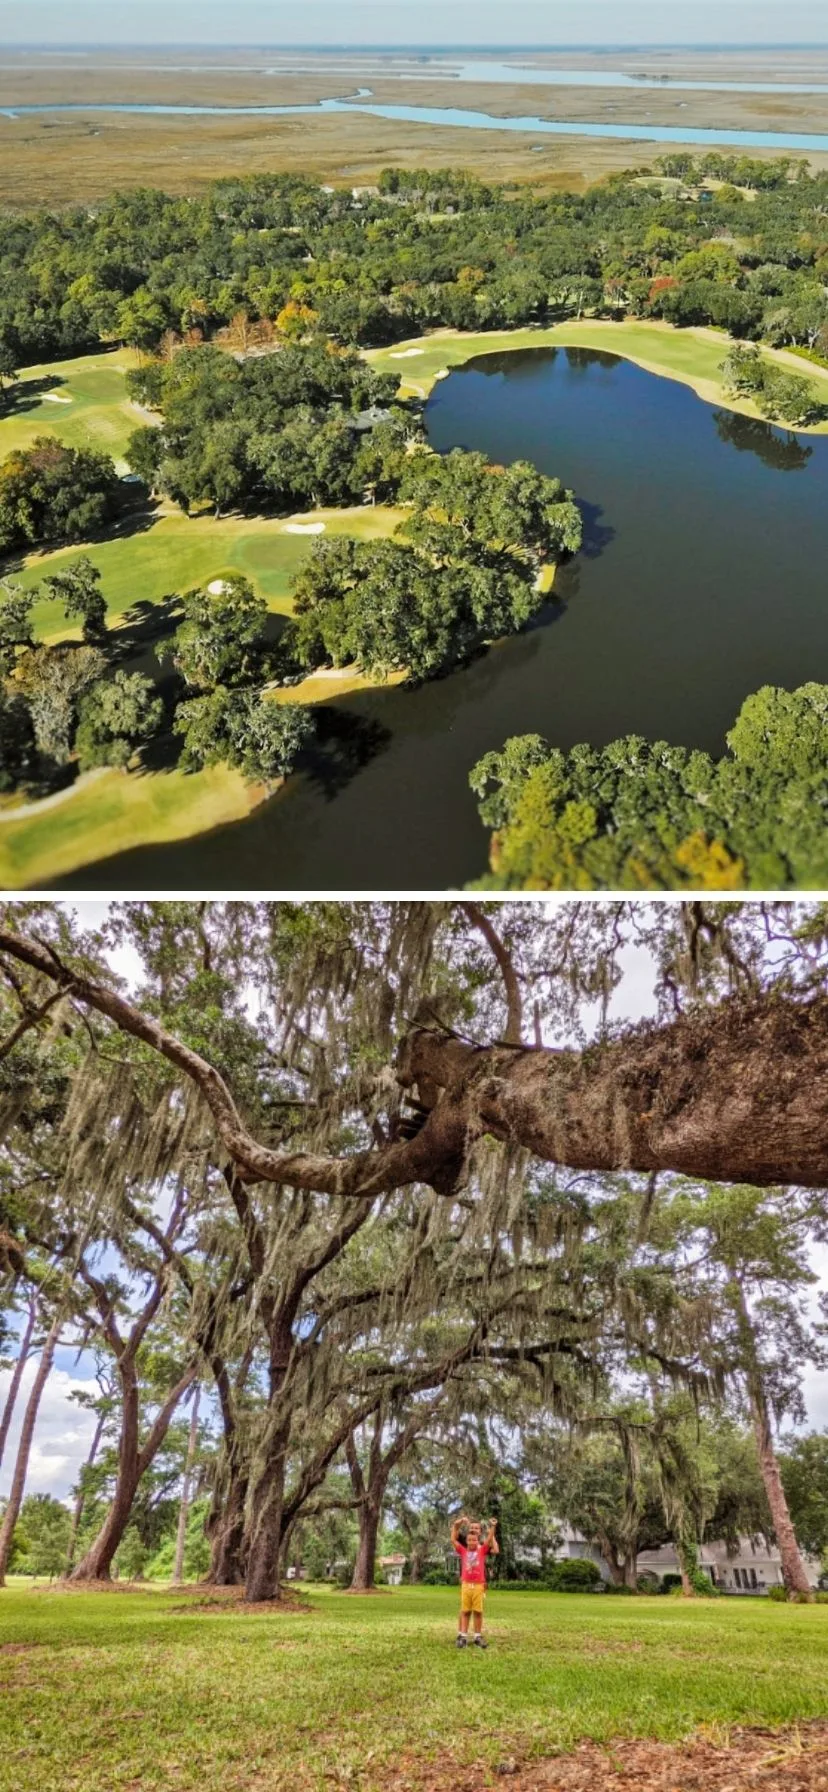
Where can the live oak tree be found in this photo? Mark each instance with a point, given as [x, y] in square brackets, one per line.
[332, 1080]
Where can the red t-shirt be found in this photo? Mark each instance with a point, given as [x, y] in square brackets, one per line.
[473, 1564]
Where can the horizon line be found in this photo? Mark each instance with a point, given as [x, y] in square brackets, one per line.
[601, 48]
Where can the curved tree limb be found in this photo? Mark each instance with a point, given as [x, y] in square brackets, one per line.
[737, 1092]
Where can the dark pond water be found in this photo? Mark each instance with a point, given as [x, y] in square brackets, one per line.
[704, 576]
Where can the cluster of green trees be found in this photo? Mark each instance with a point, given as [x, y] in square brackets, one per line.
[641, 813]
[394, 1269]
[71, 706]
[466, 568]
[284, 432]
[63, 706]
[51, 492]
[425, 249]
[778, 395]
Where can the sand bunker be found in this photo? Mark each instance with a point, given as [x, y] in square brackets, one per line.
[404, 354]
[304, 528]
[218, 588]
[55, 398]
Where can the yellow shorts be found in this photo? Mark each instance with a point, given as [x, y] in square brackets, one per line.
[471, 1598]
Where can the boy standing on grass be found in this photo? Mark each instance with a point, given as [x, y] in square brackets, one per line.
[473, 1555]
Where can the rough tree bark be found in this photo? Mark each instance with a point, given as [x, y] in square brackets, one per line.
[24, 1447]
[734, 1092]
[17, 1374]
[793, 1568]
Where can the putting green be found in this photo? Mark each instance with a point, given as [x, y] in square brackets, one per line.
[174, 553]
[83, 402]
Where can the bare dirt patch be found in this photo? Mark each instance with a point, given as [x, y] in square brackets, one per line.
[743, 1760]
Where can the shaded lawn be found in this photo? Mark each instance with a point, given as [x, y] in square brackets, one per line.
[147, 1689]
[110, 811]
[99, 414]
[176, 553]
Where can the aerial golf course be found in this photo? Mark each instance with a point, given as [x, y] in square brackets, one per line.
[158, 553]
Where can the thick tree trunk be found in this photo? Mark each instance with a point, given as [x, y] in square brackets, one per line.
[17, 1376]
[24, 1447]
[614, 1567]
[97, 1562]
[80, 1502]
[738, 1092]
[265, 1533]
[184, 1508]
[366, 1561]
[793, 1567]
[415, 1568]
[226, 1532]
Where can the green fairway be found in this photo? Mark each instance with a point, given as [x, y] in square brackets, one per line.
[692, 356]
[176, 553]
[88, 406]
[109, 811]
[127, 1690]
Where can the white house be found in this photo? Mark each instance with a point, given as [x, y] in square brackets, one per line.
[753, 1567]
[392, 1567]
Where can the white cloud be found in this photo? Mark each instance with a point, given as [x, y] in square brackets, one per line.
[62, 1436]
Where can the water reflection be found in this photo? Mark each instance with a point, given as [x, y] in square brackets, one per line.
[777, 448]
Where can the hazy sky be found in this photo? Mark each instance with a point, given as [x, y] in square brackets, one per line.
[410, 21]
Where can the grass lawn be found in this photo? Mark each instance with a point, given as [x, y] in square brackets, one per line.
[109, 811]
[93, 412]
[692, 356]
[105, 1692]
[176, 553]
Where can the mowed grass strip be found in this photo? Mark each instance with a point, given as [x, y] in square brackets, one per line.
[82, 401]
[149, 1689]
[109, 811]
[692, 356]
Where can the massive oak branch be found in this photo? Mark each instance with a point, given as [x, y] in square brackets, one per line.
[733, 1092]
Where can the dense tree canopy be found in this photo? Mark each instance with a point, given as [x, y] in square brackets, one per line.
[640, 813]
[427, 248]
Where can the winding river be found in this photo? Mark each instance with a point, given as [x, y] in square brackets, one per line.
[703, 576]
[464, 119]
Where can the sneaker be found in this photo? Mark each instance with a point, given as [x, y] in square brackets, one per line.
[461, 1640]
[480, 1643]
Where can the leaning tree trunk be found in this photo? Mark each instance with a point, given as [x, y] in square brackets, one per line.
[80, 1502]
[17, 1376]
[133, 1463]
[184, 1508]
[793, 1568]
[24, 1447]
